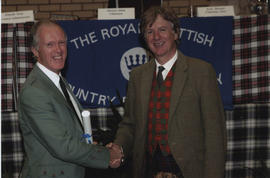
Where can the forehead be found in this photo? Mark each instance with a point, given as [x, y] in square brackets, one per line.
[159, 21]
[46, 31]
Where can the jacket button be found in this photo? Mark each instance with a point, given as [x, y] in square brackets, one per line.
[44, 172]
[62, 172]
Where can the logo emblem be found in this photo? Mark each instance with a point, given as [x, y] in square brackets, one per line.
[132, 58]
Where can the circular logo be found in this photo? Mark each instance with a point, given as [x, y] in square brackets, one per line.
[132, 58]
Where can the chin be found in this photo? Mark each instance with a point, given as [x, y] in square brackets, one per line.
[159, 54]
[59, 68]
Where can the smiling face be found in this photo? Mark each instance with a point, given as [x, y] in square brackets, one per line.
[51, 50]
[161, 39]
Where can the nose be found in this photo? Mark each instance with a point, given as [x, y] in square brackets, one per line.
[58, 47]
[156, 35]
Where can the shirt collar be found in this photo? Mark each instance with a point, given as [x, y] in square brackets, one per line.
[168, 65]
[52, 76]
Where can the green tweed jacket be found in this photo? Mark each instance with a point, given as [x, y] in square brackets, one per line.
[52, 135]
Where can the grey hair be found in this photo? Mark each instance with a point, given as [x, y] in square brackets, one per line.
[35, 28]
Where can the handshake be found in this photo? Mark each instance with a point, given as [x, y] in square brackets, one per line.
[116, 155]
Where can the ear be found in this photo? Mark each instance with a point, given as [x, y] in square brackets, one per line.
[35, 52]
[176, 35]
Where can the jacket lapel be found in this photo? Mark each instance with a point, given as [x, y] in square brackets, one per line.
[50, 85]
[180, 76]
[78, 113]
[53, 89]
[145, 88]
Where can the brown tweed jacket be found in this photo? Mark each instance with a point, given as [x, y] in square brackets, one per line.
[197, 134]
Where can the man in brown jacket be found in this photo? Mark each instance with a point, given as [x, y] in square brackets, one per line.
[174, 119]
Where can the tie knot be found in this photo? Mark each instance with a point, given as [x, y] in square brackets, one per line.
[160, 68]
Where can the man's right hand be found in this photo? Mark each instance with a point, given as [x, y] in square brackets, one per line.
[116, 155]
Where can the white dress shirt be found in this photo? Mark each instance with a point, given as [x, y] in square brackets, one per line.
[168, 65]
[55, 79]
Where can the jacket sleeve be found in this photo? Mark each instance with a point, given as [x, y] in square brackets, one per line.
[126, 128]
[214, 125]
[53, 126]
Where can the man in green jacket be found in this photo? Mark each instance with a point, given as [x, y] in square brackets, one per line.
[50, 121]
